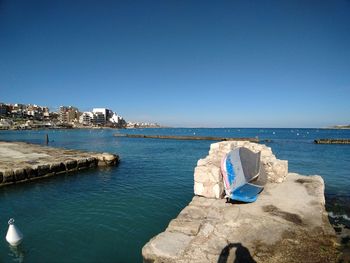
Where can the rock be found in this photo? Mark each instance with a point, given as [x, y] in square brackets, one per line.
[31, 172]
[107, 159]
[92, 162]
[19, 174]
[43, 169]
[211, 230]
[188, 227]
[167, 247]
[58, 168]
[82, 164]
[288, 222]
[8, 176]
[71, 165]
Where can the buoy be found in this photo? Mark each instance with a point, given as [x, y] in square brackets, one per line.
[13, 236]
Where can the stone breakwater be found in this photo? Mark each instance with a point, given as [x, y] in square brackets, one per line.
[332, 141]
[288, 222]
[194, 138]
[21, 162]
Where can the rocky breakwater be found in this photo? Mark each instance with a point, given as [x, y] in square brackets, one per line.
[21, 162]
[288, 222]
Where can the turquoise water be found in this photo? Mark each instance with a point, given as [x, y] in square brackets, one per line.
[108, 215]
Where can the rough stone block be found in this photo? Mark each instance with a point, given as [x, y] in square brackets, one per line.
[188, 227]
[202, 162]
[8, 176]
[43, 169]
[92, 162]
[58, 168]
[201, 174]
[20, 174]
[31, 172]
[215, 173]
[71, 165]
[167, 245]
[198, 188]
[82, 164]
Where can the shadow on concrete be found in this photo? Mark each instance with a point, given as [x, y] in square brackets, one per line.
[242, 254]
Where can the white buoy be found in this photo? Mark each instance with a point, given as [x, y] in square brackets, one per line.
[13, 236]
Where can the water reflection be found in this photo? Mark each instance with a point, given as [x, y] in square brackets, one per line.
[17, 253]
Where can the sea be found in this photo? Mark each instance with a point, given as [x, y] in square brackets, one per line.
[107, 215]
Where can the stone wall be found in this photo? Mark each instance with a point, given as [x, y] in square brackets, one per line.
[207, 175]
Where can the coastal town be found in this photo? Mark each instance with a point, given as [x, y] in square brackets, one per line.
[31, 116]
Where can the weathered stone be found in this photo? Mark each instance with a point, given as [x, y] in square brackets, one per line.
[82, 164]
[288, 222]
[168, 246]
[8, 176]
[31, 172]
[92, 162]
[71, 165]
[292, 210]
[19, 174]
[209, 189]
[22, 161]
[188, 227]
[107, 159]
[43, 169]
[58, 168]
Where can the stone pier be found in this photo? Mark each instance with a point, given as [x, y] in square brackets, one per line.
[288, 222]
[21, 162]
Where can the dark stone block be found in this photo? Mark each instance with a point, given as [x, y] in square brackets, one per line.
[31, 173]
[58, 168]
[71, 164]
[92, 162]
[82, 164]
[43, 169]
[8, 176]
[20, 174]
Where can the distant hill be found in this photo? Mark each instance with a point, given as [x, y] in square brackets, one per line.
[341, 127]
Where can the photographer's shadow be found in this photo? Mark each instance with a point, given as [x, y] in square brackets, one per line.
[242, 254]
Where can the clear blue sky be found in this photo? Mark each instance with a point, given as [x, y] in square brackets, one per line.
[182, 63]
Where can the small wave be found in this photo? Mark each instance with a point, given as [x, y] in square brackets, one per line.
[344, 216]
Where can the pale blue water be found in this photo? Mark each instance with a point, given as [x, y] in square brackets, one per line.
[108, 215]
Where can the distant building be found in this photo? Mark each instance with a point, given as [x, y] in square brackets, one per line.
[68, 114]
[18, 110]
[5, 124]
[101, 114]
[115, 118]
[46, 113]
[87, 118]
[4, 109]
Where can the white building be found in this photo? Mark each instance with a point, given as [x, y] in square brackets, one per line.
[115, 118]
[101, 116]
[87, 118]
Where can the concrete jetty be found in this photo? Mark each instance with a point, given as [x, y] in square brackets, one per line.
[21, 162]
[288, 222]
[332, 141]
[175, 137]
